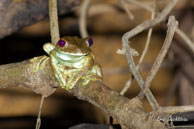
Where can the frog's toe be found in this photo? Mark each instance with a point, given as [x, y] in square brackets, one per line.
[98, 78]
[68, 87]
[39, 62]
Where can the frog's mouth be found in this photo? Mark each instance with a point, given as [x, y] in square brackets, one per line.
[70, 57]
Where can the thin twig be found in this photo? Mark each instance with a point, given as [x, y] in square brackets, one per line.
[175, 109]
[172, 26]
[82, 18]
[38, 122]
[148, 36]
[136, 2]
[127, 85]
[129, 82]
[192, 34]
[127, 10]
[145, 25]
[189, 43]
[54, 26]
[172, 89]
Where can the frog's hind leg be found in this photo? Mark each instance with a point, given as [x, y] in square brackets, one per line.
[40, 62]
[73, 80]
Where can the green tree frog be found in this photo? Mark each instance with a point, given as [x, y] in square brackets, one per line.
[71, 59]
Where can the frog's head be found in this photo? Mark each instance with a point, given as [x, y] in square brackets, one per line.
[73, 48]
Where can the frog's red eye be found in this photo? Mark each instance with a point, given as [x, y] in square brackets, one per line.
[61, 43]
[90, 41]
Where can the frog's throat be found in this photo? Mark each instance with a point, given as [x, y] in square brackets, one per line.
[70, 57]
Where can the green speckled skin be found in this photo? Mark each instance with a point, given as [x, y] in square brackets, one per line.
[72, 62]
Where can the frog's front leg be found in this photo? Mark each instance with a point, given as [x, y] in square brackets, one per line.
[57, 70]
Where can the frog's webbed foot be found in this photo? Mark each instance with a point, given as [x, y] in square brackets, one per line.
[61, 79]
[94, 74]
[90, 77]
[40, 62]
[96, 71]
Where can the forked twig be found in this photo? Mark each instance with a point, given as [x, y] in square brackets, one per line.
[129, 82]
[179, 32]
[145, 25]
[172, 26]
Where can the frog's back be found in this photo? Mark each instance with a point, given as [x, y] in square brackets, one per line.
[74, 40]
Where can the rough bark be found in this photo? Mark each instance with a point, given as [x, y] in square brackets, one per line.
[16, 14]
[22, 74]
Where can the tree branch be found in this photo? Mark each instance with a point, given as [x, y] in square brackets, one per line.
[127, 112]
[22, 74]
